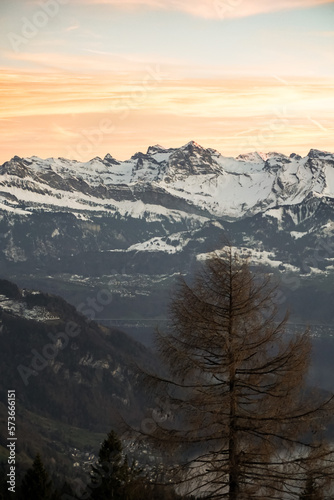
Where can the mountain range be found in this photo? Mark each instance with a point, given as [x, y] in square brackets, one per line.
[74, 228]
[189, 180]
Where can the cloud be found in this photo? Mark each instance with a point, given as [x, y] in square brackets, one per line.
[214, 9]
[73, 27]
[234, 116]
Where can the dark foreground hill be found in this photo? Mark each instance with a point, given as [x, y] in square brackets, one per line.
[72, 377]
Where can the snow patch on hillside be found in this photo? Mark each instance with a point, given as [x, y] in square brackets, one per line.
[171, 245]
[255, 257]
[21, 309]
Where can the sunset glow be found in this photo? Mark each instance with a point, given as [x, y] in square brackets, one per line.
[123, 76]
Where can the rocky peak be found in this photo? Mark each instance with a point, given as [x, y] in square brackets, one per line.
[143, 160]
[192, 147]
[315, 153]
[16, 166]
[253, 157]
[110, 160]
[275, 162]
[192, 159]
[295, 156]
[155, 149]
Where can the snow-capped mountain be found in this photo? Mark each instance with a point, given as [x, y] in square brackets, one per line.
[193, 179]
[158, 212]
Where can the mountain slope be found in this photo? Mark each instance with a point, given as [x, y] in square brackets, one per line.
[71, 228]
[190, 179]
[64, 366]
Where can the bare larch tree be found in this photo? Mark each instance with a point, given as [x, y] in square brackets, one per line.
[243, 424]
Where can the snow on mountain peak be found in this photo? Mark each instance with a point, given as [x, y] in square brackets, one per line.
[190, 145]
[198, 176]
[315, 153]
[157, 148]
[253, 157]
[110, 160]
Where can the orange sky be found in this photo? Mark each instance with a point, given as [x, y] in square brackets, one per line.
[82, 117]
[115, 77]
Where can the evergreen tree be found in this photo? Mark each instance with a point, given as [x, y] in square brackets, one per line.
[111, 476]
[36, 484]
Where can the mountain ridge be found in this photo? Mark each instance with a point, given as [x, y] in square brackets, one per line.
[68, 226]
[46, 342]
[199, 180]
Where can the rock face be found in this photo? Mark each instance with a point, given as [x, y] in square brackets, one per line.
[157, 213]
[189, 179]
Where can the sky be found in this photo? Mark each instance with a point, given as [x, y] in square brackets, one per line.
[83, 78]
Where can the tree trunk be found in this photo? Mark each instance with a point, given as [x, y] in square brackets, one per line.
[233, 453]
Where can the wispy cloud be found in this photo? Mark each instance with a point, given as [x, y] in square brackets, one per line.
[73, 27]
[213, 9]
[50, 114]
[91, 61]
